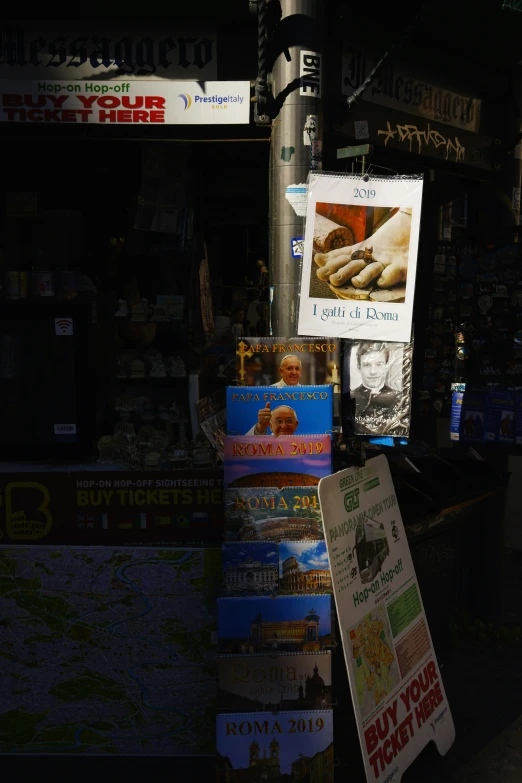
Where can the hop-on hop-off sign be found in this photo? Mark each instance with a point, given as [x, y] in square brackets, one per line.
[397, 691]
[125, 102]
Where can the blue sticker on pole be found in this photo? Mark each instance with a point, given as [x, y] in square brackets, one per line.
[297, 247]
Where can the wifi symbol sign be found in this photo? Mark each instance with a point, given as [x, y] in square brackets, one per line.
[63, 326]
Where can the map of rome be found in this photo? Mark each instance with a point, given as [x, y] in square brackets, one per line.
[107, 651]
[376, 670]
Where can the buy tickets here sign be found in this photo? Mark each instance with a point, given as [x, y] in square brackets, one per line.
[119, 102]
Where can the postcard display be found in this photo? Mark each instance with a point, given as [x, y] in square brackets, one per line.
[275, 617]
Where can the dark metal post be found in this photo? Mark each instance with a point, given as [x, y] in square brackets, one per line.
[296, 141]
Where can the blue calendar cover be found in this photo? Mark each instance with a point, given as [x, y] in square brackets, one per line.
[257, 411]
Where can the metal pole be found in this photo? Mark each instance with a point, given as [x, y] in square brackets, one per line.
[517, 152]
[291, 158]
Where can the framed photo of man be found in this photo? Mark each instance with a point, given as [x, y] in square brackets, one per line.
[377, 388]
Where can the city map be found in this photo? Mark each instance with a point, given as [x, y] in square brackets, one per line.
[107, 651]
[376, 670]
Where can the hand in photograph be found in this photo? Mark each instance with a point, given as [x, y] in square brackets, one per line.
[281, 420]
[263, 420]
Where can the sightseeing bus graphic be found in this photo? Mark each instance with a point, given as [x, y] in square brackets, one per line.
[371, 546]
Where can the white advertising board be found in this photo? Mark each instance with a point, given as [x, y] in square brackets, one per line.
[125, 102]
[398, 696]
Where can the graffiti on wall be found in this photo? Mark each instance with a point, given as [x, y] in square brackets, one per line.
[417, 138]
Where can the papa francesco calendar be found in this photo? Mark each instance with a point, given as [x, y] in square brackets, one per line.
[254, 410]
[360, 256]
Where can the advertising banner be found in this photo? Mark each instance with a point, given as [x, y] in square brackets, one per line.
[127, 508]
[125, 102]
[360, 256]
[398, 696]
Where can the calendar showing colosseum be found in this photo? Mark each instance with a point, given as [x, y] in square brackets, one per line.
[304, 568]
[273, 514]
[286, 461]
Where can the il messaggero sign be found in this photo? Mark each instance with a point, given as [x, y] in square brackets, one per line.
[84, 50]
[125, 102]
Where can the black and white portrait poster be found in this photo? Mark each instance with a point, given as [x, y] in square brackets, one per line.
[360, 256]
[377, 388]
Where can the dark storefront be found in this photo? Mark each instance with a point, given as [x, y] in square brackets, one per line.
[153, 242]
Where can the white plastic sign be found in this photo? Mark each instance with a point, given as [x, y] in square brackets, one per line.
[397, 691]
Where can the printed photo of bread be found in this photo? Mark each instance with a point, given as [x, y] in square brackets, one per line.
[360, 253]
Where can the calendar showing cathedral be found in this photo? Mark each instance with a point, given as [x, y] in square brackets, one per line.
[250, 568]
[293, 747]
[284, 623]
[249, 683]
[304, 567]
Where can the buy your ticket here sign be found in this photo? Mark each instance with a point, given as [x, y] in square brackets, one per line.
[397, 691]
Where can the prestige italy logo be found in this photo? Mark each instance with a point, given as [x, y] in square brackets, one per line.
[187, 100]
